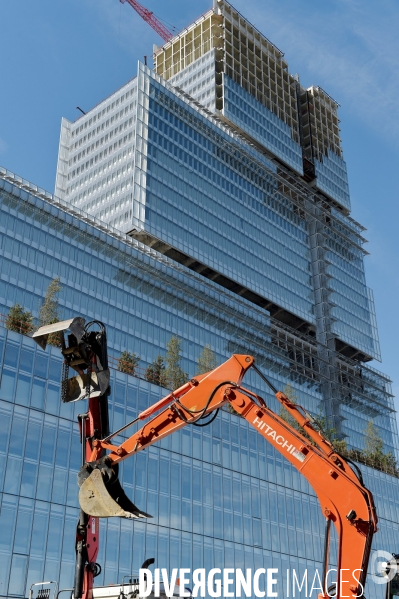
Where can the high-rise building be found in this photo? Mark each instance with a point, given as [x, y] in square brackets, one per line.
[204, 187]
[206, 200]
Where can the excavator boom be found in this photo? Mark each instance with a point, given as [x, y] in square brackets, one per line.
[343, 498]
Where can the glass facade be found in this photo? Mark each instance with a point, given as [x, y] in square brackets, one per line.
[332, 178]
[199, 200]
[202, 194]
[148, 159]
[95, 158]
[198, 80]
[352, 301]
[153, 162]
[220, 496]
[262, 124]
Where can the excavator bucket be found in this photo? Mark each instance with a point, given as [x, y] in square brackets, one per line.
[80, 386]
[105, 500]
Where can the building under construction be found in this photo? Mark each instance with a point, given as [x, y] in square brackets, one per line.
[279, 191]
[208, 200]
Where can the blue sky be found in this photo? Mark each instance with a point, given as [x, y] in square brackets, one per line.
[57, 54]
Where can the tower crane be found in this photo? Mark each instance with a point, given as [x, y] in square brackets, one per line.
[151, 19]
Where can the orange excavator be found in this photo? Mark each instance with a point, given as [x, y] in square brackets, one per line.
[343, 498]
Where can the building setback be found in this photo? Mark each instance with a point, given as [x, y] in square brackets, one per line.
[209, 200]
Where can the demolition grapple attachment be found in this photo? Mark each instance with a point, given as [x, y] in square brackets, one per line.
[84, 351]
[75, 325]
[84, 347]
[101, 493]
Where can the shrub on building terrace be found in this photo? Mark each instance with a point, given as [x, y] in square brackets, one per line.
[128, 362]
[19, 320]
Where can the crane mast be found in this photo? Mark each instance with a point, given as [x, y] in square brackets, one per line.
[151, 19]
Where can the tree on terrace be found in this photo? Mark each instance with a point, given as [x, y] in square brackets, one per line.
[175, 377]
[128, 362]
[206, 360]
[155, 372]
[49, 310]
[19, 320]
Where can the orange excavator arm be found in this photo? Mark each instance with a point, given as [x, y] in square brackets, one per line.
[343, 498]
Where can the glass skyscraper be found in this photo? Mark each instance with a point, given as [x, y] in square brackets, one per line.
[206, 200]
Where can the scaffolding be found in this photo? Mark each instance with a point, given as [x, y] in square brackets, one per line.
[199, 38]
[247, 57]
[320, 124]
[257, 65]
